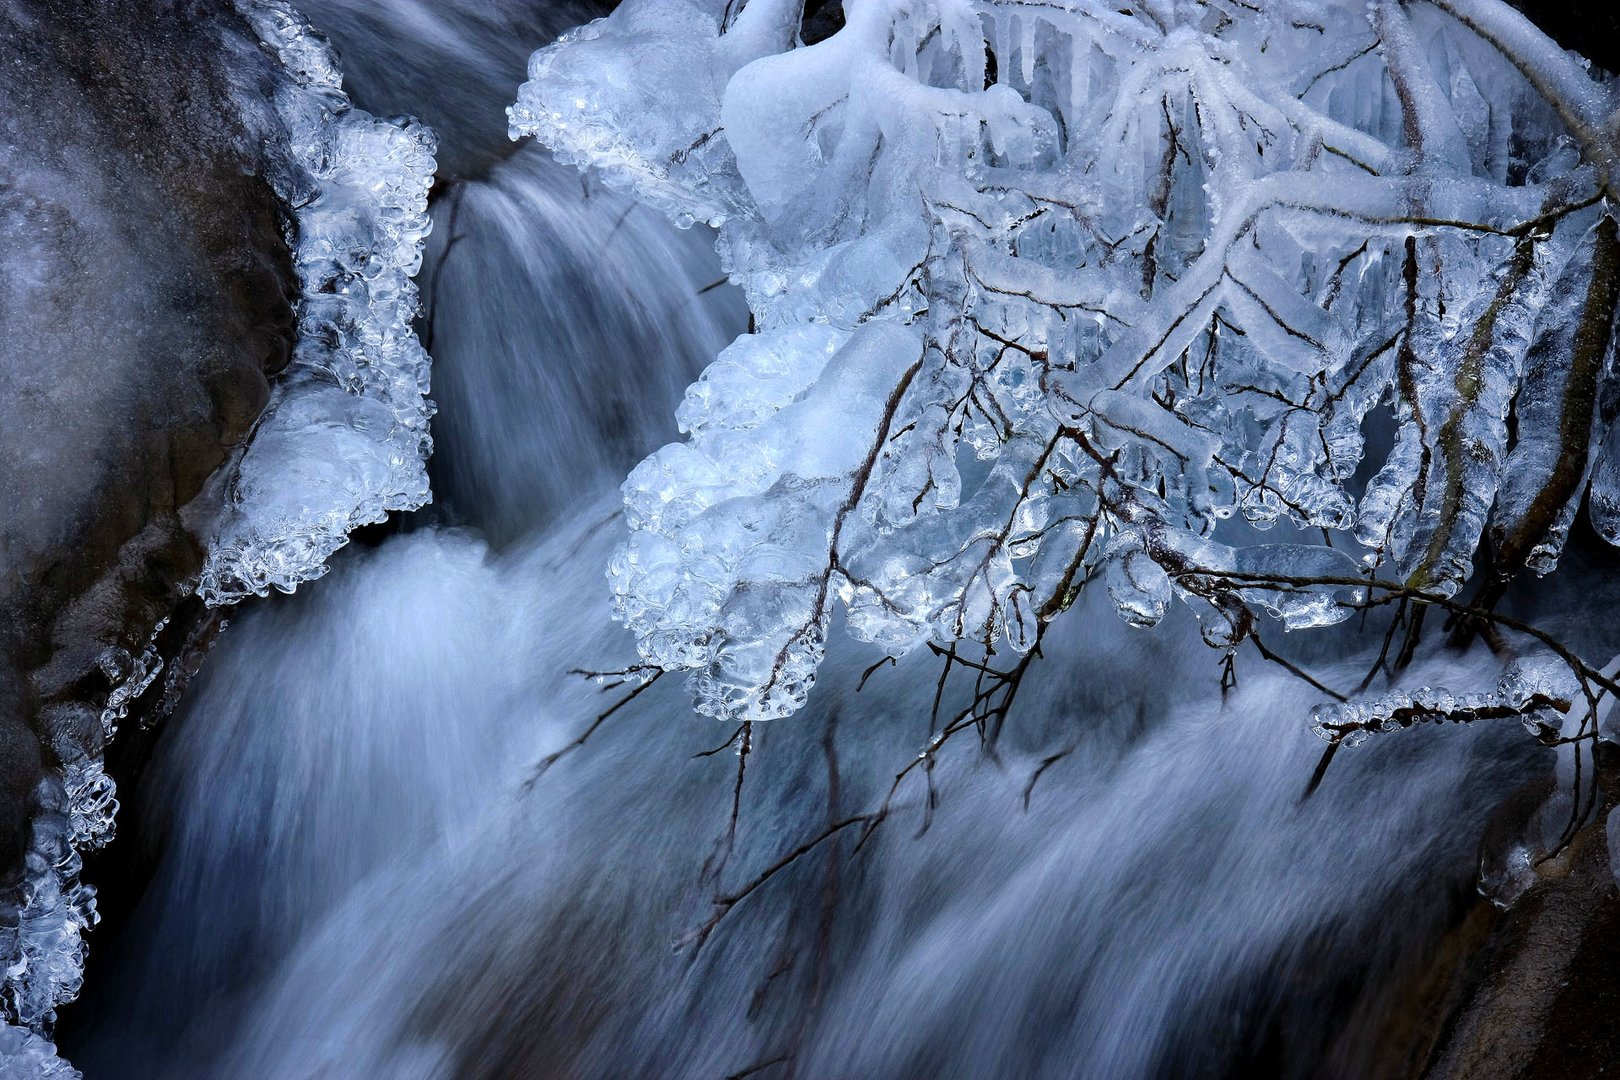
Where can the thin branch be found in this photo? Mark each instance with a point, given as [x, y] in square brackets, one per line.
[1046, 763]
[781, 1059]
[551, 759]
[1294, 669]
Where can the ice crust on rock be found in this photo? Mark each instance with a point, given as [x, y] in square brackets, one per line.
[344, 439]
[1048, 291]
[52, 908]
[44, 950]
[26, 1056]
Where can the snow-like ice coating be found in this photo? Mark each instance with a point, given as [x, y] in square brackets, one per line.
[26, 1056]
[345, 438]
[1047, 291]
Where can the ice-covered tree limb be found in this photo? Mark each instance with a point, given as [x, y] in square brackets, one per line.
[1052, 290]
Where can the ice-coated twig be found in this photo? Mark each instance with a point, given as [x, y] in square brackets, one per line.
[1046, 292]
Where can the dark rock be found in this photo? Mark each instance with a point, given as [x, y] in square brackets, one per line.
[1539, 999]
[145, 289]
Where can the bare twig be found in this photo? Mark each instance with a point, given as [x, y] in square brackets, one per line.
[551, 759]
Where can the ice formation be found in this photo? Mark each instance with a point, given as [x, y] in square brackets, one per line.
[43, 953]
[1052, 290]
[1536, 690]
[343, 441]
[26, 1056]
[345, 437]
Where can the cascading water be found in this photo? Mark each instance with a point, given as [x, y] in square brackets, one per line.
[366, 871]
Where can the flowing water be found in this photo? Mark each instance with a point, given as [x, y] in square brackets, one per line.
[358, 872]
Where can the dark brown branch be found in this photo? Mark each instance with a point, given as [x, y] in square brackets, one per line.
[1294, 669]
[551, 759]
[781, 1059]
[735, 735]
[723, 905]
[715, 865]
[867, 674]
[1046, 763]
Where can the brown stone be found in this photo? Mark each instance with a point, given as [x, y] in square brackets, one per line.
[145, 289]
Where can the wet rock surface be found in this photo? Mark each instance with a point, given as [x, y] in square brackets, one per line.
[144, 304]
[1539, 998]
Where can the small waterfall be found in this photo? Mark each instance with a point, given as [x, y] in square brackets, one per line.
[364, 870]
[567, 320]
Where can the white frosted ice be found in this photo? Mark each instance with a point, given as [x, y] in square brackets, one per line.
[44, 951]
[1536, 689]
[43, 954]
[26, 1056]
[1163, 269]
[345, 438]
